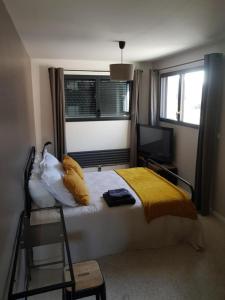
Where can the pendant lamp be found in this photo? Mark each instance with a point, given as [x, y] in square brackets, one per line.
[121, 72]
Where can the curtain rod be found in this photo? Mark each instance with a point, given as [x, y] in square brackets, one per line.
[86, 70]
[67, 70]
[187, 63]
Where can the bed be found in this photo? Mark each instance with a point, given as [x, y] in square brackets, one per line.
[97, 230]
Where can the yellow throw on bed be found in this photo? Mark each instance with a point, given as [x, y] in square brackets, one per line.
[158, 196]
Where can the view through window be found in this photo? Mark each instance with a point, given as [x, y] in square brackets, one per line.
[181, 95]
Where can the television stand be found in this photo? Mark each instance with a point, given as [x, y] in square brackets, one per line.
[143, 162]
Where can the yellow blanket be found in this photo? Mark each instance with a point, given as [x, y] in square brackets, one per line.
[158, 196]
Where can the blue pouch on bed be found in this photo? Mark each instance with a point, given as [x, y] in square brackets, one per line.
[117, 201]
[119, 193]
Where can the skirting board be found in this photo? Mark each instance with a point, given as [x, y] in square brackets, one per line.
[219, 216]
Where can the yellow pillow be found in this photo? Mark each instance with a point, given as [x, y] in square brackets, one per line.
[76, 186]
[70, 163]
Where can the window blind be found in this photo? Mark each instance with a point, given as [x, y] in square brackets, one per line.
[114, 98]
[95, 98]
[80, 98]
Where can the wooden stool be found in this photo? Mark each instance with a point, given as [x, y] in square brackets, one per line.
[88, 281]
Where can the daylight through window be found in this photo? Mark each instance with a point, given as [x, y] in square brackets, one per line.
[181, 95]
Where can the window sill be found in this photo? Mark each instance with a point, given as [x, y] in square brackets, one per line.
[179, 123]
[97, 119]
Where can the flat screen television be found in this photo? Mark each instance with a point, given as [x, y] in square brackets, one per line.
[156, 143]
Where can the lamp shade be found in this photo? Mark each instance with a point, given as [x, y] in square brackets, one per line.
[121, 72]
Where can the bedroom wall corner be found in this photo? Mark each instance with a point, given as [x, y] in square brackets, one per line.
[185, 156]
[144, 95]
[43, 108]
[43, 118]
[219, 198]
[17, 135]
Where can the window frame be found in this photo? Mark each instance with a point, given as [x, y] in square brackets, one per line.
[172, 73]
[97, 117]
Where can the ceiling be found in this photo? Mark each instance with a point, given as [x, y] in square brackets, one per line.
[86, 29]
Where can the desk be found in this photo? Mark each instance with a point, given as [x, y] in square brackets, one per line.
[41, 253]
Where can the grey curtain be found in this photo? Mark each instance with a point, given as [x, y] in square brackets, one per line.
[56, 77]
[135, 116]
[208, 131]
[154, 105]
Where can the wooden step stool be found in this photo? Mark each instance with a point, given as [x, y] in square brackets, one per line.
[88, 281]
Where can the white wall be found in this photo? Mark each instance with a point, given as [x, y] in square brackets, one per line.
[219, 203]
[185, 150]
[97, 135]
[17, 136]
[119, 131]
[186, 138]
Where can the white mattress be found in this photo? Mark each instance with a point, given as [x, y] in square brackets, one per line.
[97, 230]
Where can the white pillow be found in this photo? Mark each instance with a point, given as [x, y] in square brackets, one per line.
[52, 178]
[40, 196]
[49, 160]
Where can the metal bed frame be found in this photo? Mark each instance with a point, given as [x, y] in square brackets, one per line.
[27, 174]
[24, 221]
[25, 215]
[174, 175]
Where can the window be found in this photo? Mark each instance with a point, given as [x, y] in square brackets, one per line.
[96, 98]
[181, 94]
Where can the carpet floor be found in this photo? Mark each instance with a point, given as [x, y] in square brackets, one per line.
[178, 273]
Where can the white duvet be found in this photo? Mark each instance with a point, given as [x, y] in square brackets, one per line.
[98, 230]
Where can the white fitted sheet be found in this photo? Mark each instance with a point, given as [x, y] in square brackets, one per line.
[98, 230]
